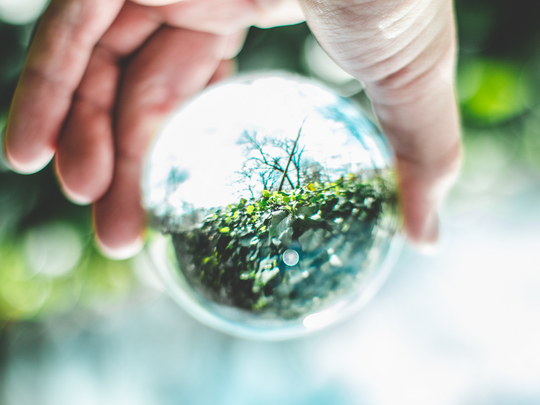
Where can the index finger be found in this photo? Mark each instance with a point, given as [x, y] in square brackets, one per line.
[57, 60]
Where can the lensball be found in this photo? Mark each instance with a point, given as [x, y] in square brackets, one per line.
[273, 204]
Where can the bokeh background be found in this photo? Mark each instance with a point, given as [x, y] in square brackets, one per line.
[461, 327]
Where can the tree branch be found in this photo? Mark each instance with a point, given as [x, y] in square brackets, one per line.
[290, 158]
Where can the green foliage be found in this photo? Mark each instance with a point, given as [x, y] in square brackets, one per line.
[493, 91]
[26, 293]
[236, 256]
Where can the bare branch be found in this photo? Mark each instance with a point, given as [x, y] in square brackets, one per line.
[290, 158]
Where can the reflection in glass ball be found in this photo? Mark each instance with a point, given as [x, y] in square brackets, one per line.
[275, 204]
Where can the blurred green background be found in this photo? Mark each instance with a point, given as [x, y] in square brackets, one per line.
[49, 265]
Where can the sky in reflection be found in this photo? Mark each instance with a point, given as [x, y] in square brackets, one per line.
[203, 141]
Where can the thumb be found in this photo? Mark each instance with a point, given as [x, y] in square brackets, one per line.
[404, 53]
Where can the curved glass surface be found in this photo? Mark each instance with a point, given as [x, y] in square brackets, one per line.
[275, 205]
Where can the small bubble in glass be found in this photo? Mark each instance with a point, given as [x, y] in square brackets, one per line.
[274, 207]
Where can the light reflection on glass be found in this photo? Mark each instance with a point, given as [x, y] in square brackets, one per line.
[291, 257]
[254, 182]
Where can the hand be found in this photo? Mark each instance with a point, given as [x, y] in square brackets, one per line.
[102, 74]
[404, 53]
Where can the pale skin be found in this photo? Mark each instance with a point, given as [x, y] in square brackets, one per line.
[101, 76]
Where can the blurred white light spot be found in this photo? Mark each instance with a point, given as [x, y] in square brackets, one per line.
[267, 275]
[320, 320]
[53, 249]
[335, 261]
[290, 257]
[21, 11]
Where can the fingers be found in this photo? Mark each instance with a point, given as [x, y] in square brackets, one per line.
[173, 66]
[422, 188]
[404, 52]
[225, 69]
[119, 219]
[279, 12]
[417, 110]
[155, 2]
[85, 155]
[234, 43]
[425, 137]
[62, 46]
[224, 17]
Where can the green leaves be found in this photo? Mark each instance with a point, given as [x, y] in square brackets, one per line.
[281, 227]
[280, 222]
[312, 239]
[286, 236]
[236, 256]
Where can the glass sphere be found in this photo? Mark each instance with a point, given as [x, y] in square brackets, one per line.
[275, 206]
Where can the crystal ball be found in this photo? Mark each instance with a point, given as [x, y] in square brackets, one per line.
[273, 206]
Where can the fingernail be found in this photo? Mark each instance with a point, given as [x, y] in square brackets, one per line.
[72, 196]
[123, 252]
[29, 167]
[428, 241]
[76, 198]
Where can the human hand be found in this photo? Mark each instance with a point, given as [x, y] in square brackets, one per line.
[71, 99]
[404, 53]
[100, 77]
